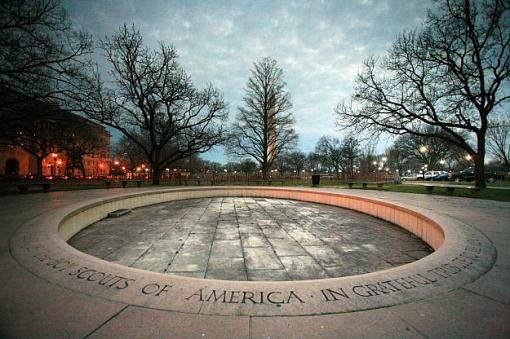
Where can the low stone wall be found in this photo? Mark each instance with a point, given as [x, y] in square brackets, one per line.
[462, 255]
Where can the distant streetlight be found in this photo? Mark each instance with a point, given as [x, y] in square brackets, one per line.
[423, 149]
[469, 157]
[116, 162]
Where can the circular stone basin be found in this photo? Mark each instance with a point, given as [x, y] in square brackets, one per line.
[250, 238]
[461, 255]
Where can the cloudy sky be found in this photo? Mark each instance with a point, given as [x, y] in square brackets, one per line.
[320, 45]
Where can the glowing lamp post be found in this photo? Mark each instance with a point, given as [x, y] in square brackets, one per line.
[423, 150]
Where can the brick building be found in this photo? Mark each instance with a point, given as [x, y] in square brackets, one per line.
[15, 161]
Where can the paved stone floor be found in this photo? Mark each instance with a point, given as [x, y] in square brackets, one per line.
[250, 239]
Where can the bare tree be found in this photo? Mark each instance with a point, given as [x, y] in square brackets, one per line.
[294, 161]
[264, 126]
[42, 56]
[499, 140]
[329, 150]
[247, 166]
[451, 75]
[128, 152]
[153, 102]
[82, 138]
[350, 152]
[417, 150]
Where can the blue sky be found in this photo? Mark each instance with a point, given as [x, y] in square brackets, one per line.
[320, 45]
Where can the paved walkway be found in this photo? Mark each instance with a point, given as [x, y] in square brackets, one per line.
[30, 306]
[439, 183]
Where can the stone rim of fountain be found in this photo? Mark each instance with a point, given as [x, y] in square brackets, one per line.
[462, 255]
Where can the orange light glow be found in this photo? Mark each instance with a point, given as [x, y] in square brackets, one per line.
[123, 168]
[101, 165]
[116, 162]
[59, 162]
[54, 155]
[138, 169]
[143, 166]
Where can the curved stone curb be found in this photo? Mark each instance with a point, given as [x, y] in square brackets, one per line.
[462, 255]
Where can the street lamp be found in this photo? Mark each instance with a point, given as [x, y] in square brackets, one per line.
[469, 157]
[423, 149]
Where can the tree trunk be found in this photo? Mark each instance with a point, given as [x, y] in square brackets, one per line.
[39, 161]
[156, 173]
[479, 160]
[81, 167]
[265, 170]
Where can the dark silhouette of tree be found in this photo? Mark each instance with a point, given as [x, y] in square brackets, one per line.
[453, 74]
[338, 156]
[499, 140]
[314, 162]
[128, 152]
[294, 161]
[350, 152]
[329, 150]
[153, 102]
[409, 149]
[264, 126]
[247, 166]
[43, 58]
[82, 138]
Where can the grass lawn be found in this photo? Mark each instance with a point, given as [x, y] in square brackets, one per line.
[487, 193]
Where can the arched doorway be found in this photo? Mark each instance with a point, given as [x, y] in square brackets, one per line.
[11, 167]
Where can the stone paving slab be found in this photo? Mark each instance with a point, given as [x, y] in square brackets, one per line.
[136, 322]
[371, 324]
[460, 314]
[225, 227]
[39, 306]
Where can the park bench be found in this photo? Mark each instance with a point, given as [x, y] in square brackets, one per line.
[451, 188]
[267, 182]
[364, 184]
[24, 186]
[198, 181]
[123, 183]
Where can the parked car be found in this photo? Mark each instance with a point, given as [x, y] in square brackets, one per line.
[430, 175]
[410, 176]
[441, 177]
[468, 174]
